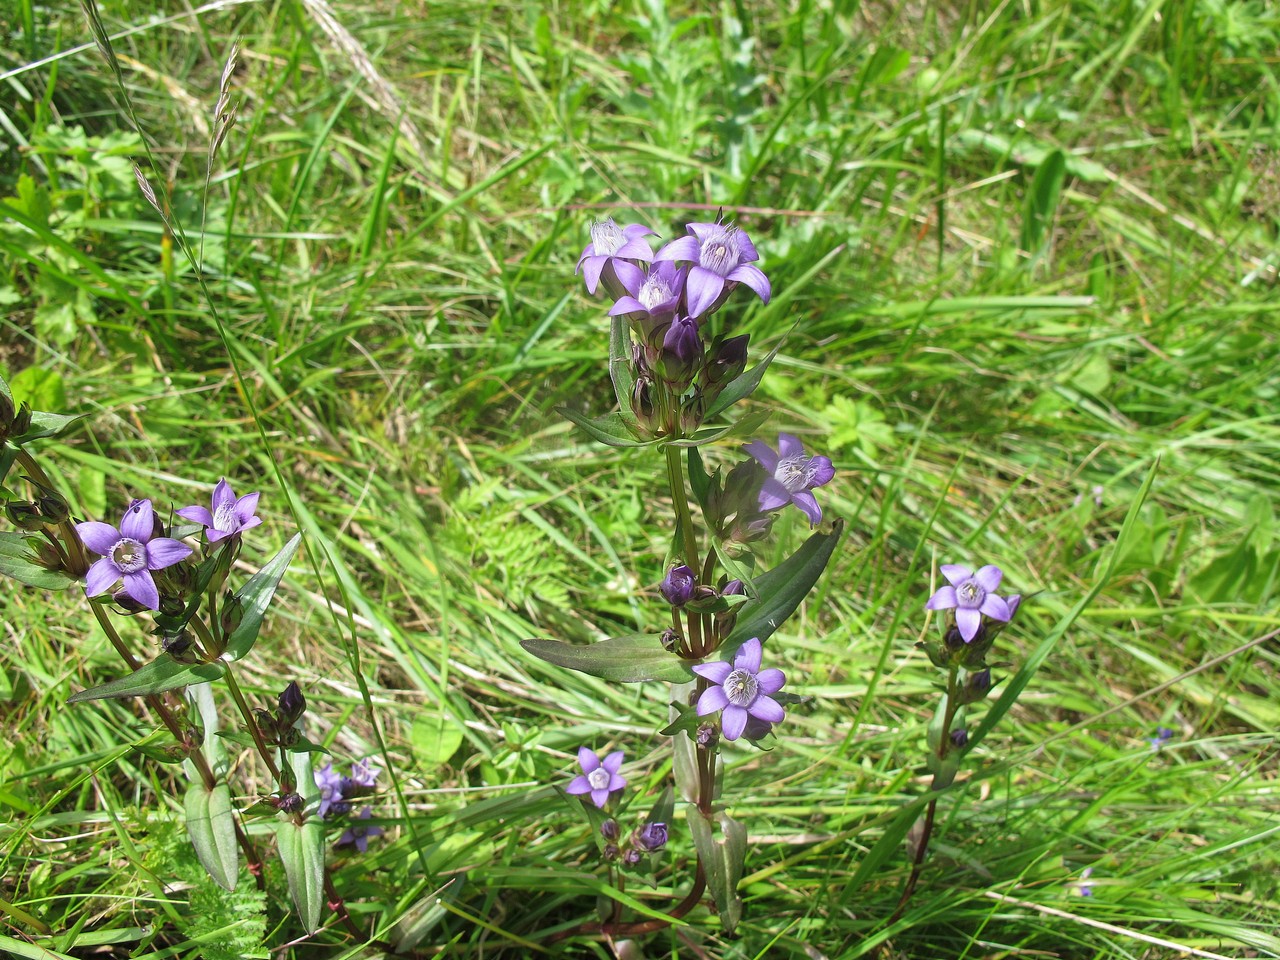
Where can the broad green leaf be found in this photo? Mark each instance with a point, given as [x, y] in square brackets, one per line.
[630, 659]
[435, 737]
[611, 429]
[1042, 202]
[254, 598]
[723, 858]
[743, 386]
[201, 697]
[161, 674]
[30, 951]
[301, 849]
[213, 832]
[684, 755]
[40, 387]
[742, 427]
[16, 564]
[620, 371]
[782, 588]
[47, 425]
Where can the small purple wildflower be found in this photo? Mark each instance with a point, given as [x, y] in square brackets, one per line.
[599, 777]
[741, 690]
[358, 834]
[720, 254]
[972, 595]
[1163, 736]
[654, 302]
[609, 254]
[130, 554]
[792, 476]
[229, 515]
[330, 783]
[1085, 887]
[337, 791]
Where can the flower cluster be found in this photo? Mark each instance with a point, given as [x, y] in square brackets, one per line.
[601, 781]
[336, 795]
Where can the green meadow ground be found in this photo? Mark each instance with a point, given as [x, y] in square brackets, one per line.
[998, 343]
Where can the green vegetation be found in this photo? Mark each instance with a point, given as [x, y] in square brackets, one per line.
[1024, 261]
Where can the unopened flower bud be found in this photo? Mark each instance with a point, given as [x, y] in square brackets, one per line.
[693, 411]
[24, 514]
[291, 704]
[6, 415]
[651, 837]
[609, 829]
[960, 737]
[977, 686]
[681, 353]
[642, 402]
[180, 646]
[45, 554]
[127, 603]
[289, 803]
[266, 725]
[632, 857]
[678, 586]
[610, 851]
[706, 734]
[53, 508]
[670, 640]
[726, 360]
[232, 614]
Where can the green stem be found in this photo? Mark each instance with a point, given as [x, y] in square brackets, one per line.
[242, 705]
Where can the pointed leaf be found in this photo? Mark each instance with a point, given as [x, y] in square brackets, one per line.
[255, 596]
[742, 427]
[161, 674]
[699, 480]
[8, 454]
[737, 570]
[620, 371]
[610, 429]
[16, 563]
[723, 858]
[630, 659]
[782, 588]
[301, 849]
[743, 386]
[213, 832]
[47, 425]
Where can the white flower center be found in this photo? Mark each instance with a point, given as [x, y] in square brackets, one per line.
[599, 778]
[224, 518]
[741, 687]
[720, 251]
[129, 555]
[793, 473]
[654, 291]
[606, 237]
[970, 595]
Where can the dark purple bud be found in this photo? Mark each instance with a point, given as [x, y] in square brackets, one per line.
[733, 588]
[727, 359]
[977, 686]
[44, 553]
[610, 851]
[642, 401]
[960, 737]
[757, 729]
[232, 614]
[291, 704]
[126, 602]
[25, 515]
[670, 640]
[52, 507]
[267, 725]
[678, 586]
[609, 829]
[180, 646]
[632, 857]
[6, 415]
[651, 837]
[681, 352]
[706, 734]
[289, 803]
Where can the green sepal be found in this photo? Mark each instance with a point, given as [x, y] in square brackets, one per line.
[612, 429]
[630, 659]
[782, 588]
[743, 386]
[213, 832]
[16, 563]
[723, 858]
[161, 674]
[254, 598]
[686, 721]
[45, 425]
[737, 570]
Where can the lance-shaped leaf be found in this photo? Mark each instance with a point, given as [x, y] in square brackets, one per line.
[611, 429]
[8, 454]
[723, 858]
[782, 588]
[631, 659]
[47, 425]
[742, 427]
[213, 832]
[620, 371]
[254, 598]
[743, 386]
[161, 674]
[16, 563]
[301, 847]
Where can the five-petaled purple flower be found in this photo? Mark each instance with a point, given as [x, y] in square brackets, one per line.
[615, 247]
[741, 690]
[792, 476]
[973, 597]
[720, 254]
[599, 777]
[229, 515]
[130, 554]
[654, 302]
[359, 834]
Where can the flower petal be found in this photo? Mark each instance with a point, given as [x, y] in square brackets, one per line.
[712, 699]
[955, 573]
[747, 248]
[682, 248]
[627, 305]
[98, 536]
[753, 278]
[773, 495]
[733, 722]
[613, 762]
[789, 446]
[989, 578]
[968, 620]
[701, 289]
[197, 514]
[142, 588]
[944, 599]
[628, 274]
[578, 785]
[717, 671]
[165, 552]
[703, 230]
[636, 249]
[591, 271]
[748, 656]
[246, 507]
[588, 760]
[820, 472]
[768, 710]
[762, 453]
[634, 230]
[139, 521]
[808, 505]
[997, 608]
[616, 782]
[101, 577]
[223, 495]
[600, 797]
[771, 680]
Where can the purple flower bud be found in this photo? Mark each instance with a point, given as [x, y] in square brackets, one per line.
[977, 686]
[609, 829]
[289, 803]
[291, 704]
[960, 737]
[678, 586]
[632, 857]
[733, 588]
[705, 735]
[651, 837]
[681, 354]
[25, 515]
[611, 851]
[727, 359]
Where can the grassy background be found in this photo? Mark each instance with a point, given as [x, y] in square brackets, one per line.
[996, 343]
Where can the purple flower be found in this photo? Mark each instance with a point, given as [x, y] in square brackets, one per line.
[741, 690]
[330, 783]
[792, 476]
[130, 554]
[654, 302]
[678, 585]
[359, 835]
[599, 777]
[720, 254]
[650, 838]
[1163, 735]
[229, 516]
[972, 595]
[614, 247]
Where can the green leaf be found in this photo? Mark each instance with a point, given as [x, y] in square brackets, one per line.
[301, 849]
[611, 429]
[213, 832]
[47, 425]
[421, 918]
[39, 387]
[8, 454]
[620, 371]
[435, 737]
[1042, 202]
[699, 480]
[737, 570]
[16, 563]
[630, 659]
[255, 596]
[744, 426]
[782, 588]
[743, 386]
[161, 674]
[723, 859]
[6, 392]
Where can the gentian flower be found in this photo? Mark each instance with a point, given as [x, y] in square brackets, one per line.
[792, 476]
[609, 254]
[972, 595]
[654, 302]
[359, 835]
[720, 255]
[229, 515]
[1163, 735]
[741, 690]
[599, 777]
[130, 554]
[678, 585]
[330, 783]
